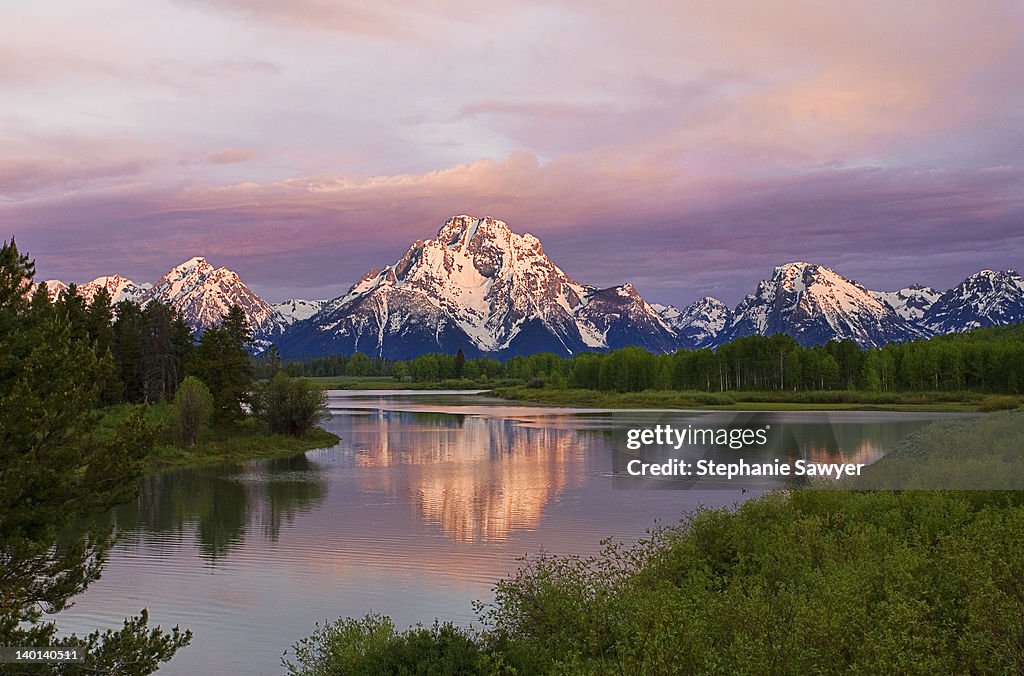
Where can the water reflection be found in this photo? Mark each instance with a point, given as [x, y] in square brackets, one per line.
[427, 500]
[479, 479]
[222, 504]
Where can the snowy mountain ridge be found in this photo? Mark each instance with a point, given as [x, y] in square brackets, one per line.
[479, 287]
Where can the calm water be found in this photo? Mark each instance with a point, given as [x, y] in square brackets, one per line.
[428, 499]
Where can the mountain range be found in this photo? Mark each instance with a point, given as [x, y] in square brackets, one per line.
[479, 287]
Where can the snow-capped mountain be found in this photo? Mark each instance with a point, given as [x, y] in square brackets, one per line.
[699, 324]
[985, 299]
[479, 287]
[815, 304]
[202, 295]
[910, 303]
[120, 288]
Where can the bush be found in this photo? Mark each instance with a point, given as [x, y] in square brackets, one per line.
[290, 405]
[372, 646]
[193, 406]
[995, 402]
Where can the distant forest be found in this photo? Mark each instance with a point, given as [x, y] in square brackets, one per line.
[985, 360]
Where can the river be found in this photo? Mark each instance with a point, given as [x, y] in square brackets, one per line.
[428, 499]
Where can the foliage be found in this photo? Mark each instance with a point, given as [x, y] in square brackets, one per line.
[807, 581]
[222, 362]
[989, 360]
[133, 649]
[57, 465]
[193, 407]
[372, 646]
[290, 405]
[152, 348]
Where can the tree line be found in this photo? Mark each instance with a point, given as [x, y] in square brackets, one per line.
[987, 360]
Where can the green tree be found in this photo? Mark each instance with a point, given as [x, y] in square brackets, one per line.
[193, 407]
[222, 362]
[57, 467]
[359, 365]
[128, 350]
[290, 405]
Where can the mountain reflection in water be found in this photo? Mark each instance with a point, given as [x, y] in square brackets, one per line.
[478, 478]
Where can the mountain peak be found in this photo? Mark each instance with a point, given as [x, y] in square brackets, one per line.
[459, 232]
[193, 263]
[986, 298]
[203, 294]
[814, 304]
[479, 287]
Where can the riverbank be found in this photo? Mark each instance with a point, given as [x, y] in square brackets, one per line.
[825, 400]
[383, 383]
[238, 441]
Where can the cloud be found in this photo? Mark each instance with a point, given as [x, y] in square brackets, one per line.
[231, 156]
[680, 144]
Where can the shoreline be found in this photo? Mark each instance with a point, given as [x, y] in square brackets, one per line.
[746, 401]
[236, 448]
[672, 400]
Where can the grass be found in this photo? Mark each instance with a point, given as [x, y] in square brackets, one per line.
[247, 439]
[829, 400]
[984, 454]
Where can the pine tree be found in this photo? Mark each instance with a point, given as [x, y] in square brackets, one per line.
[222, 362]
[57, 467]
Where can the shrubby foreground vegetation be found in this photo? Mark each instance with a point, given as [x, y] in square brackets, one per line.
[811, 581]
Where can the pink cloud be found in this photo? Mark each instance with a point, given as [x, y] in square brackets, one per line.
[231, 156]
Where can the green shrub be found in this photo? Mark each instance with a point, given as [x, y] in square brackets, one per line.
[995, 402]
[290, 405]
[193, 407]
[372, 646]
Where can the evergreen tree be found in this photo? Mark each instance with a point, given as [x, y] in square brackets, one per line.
[57, 467]
[460, 363]
[128, 350]
[222, 363]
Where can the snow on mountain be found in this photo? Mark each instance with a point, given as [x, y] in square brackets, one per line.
[912, 302]
[295, 310]
[202, 295]
[815, 304]
[120, 288]
[54, 288]
[987, 298]
[479, 287]
[699, 324]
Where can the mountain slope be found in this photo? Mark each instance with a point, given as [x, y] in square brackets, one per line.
[911, 303]
[479, 287]
[120, 288]
[202, 295]
[699, 324]
[987, 298]
[814, 304]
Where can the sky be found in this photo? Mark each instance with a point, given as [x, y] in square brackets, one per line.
[686, 146]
